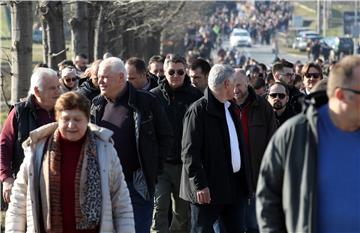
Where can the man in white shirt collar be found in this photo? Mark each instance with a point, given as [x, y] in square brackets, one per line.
[214, 162]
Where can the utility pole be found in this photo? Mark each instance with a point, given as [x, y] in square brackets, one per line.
[319, 19]
[356, 28]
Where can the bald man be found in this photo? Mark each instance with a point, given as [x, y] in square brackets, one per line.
[259, 124]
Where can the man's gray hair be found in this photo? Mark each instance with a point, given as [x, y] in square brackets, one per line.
[218, 74]
[116, 65]
[37, 78]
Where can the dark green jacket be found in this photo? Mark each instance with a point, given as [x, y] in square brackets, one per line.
[286, 190]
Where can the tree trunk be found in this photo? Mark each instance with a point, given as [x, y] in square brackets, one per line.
[152, 45]
[21, 49]
[93, 12]
[80, 28]
[52, 11]
[45, 42]
[129, 44]
[115, 43]
[99, 29]
[162, 41]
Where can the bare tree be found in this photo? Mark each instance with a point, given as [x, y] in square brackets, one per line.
[21, 50]
[100, 37]
[52, 13]
[79, 23]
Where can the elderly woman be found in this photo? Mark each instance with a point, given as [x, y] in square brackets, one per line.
[69, 81]
[311, 74]
[71, 179]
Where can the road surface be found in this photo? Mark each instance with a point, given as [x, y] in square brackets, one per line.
[263, 54]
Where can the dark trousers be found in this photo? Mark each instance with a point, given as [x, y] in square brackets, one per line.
[204, 216]
[249, 213]
[143, 210]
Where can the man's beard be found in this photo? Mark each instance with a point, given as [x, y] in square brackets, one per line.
[278, 105]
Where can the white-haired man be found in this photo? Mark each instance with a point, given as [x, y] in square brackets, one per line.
[142, 134]
[25, 116]
[213, 178]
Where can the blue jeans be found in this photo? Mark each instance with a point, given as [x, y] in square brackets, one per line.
[143, 210]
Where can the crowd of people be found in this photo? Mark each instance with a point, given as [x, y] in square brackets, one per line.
[262, 20]
[172, 146]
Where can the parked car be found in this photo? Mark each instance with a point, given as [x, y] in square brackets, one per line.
[340, 45]
[240, 37]
[302, 39]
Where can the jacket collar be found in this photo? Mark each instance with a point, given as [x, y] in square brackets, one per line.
[254, 98]
[48, 129]
[129, 92]
[132, 96]
[312, 104]
[214, 106]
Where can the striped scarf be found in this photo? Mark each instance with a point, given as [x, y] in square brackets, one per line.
[87, 195]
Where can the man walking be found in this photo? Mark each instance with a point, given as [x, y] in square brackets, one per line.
[176, 94]
[309, 177]
[214, 162]
[35, 111]
[259, 124]
[142, 134]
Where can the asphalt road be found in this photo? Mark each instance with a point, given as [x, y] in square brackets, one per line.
[263, 53]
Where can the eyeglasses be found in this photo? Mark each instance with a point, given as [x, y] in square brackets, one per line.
[351, 90]
[70, 79]
[314, 75]
[287, 74]
[179, 72]
[279, 95]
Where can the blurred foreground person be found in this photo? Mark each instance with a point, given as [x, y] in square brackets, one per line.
[300, 188]
[71, 179]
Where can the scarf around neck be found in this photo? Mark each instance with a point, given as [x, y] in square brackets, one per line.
[87, 185]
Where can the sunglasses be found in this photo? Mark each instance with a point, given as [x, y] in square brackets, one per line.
[357, 92]
[179, 72]
[314, 75]
[279, 95]
[70, 79]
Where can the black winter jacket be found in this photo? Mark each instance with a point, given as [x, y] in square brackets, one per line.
[152, 130]
[175, 103]
[206, 154]
[88, 89]
[261, 123]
